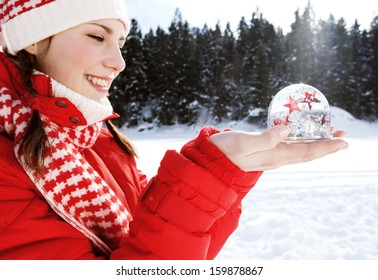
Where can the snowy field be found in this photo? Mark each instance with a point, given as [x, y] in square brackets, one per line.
[323, 210]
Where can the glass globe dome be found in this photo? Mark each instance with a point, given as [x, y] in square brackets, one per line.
[304, 109]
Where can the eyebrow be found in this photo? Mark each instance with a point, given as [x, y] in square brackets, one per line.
[107, 29]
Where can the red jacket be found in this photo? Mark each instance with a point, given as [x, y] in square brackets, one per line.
[187, 211]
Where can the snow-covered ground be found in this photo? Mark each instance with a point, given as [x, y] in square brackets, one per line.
[322, 210]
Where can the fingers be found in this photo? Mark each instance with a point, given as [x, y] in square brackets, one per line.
[290, 153]
[310, 151]
[339, 133]
[265, 150]
[266, 140]
[239, 144]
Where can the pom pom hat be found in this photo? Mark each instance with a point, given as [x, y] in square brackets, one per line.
[25, 22]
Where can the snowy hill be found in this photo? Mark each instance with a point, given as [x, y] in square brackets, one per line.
[340, 119]
[355, 128]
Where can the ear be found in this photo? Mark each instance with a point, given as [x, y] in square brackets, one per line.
[32, 49]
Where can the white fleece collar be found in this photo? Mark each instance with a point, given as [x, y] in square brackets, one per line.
[93, 111]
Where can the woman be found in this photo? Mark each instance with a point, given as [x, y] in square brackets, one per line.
[70, 189]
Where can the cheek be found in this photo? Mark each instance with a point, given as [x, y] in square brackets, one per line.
[78, 55]
[68, 62]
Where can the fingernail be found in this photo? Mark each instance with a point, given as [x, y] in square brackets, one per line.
[344, 146]
[284, 132]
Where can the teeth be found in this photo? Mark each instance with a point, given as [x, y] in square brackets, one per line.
[97, 81]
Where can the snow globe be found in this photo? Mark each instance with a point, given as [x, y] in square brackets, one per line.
[304, 109]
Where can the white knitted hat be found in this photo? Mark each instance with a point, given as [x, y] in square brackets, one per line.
[25, 22]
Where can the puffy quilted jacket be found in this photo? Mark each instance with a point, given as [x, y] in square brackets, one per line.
[187, 211]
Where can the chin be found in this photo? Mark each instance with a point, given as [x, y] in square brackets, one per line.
[99, 99]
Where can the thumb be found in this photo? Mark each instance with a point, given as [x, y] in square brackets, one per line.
[268, 139]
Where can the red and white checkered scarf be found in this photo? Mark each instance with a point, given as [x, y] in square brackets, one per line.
[73, 189]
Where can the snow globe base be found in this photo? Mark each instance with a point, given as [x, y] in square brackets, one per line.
[305, 110]
[303, 139]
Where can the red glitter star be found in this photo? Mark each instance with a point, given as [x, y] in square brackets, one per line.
[310, 98]
[292, 105]
[281, 121]
[324, 120]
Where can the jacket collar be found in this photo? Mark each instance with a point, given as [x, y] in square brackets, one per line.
[91, 110]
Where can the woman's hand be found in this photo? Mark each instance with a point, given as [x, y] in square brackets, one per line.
[265, 151]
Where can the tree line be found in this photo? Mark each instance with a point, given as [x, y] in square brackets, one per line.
[185, 74]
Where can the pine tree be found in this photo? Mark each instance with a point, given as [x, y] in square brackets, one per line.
[217, 51]
[130, 88]
[240, 71]
[185, 78]
[372, 108]
[325, 43]
[341, 52]
[230, 85]
[334, 62]
[174, 76]
[265, 45]
[355, 82]
[256, 67]
[300, 48]
[160, 107]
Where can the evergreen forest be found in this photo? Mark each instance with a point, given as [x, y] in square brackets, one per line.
[185, 74]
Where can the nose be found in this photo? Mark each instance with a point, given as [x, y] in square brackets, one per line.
[115, 60]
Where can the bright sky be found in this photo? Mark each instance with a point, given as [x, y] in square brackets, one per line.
[151, 13]
[278, 12]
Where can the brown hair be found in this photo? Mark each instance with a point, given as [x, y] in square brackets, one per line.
[34, 145]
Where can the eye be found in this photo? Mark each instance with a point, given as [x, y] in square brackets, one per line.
[98, 38]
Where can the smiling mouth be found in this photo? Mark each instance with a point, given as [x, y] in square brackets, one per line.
[98, 82]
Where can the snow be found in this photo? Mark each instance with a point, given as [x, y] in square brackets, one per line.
[322, 210]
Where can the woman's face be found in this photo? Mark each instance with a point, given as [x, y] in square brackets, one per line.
[86, 58]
